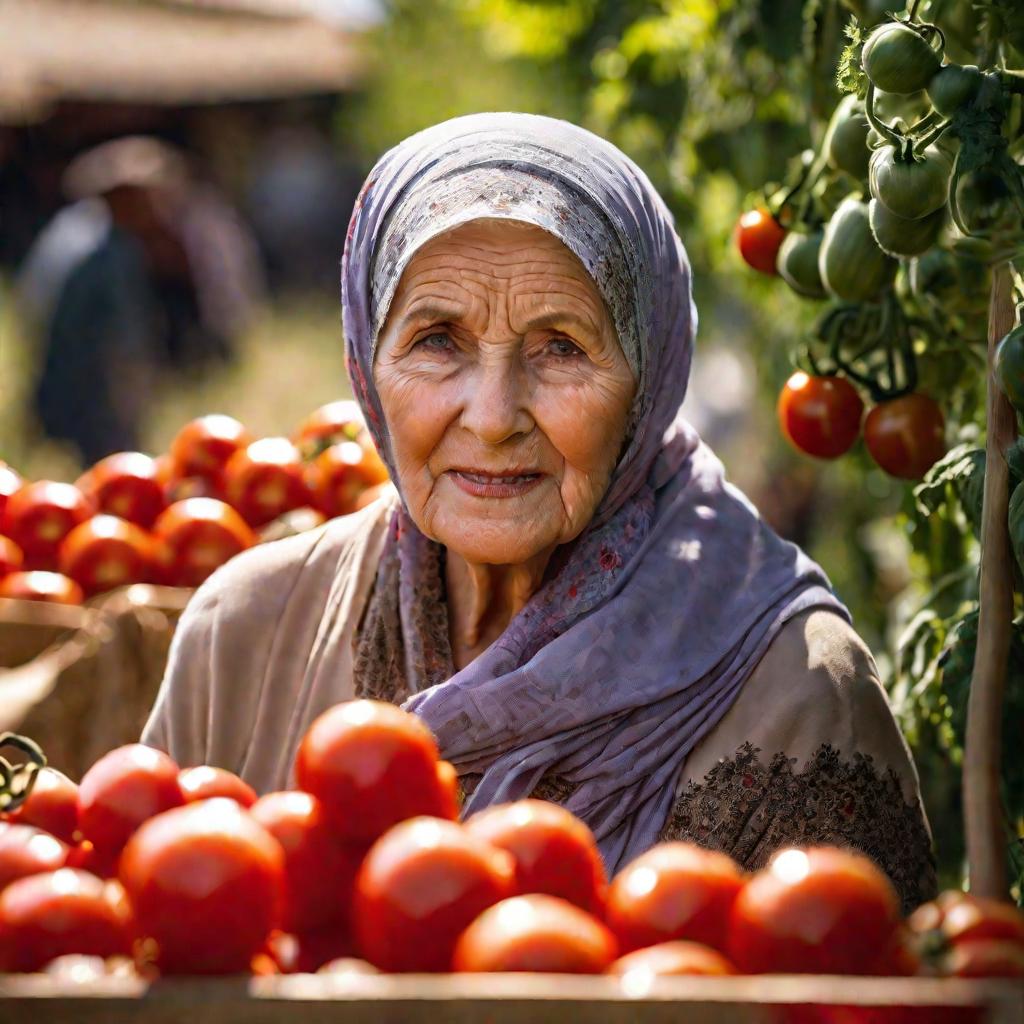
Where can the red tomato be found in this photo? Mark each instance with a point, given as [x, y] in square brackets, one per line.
[205, 781]
[307, 952]
[554, 851]
[330, 424]
[25, 850]
[535, 933]
[420, 887]
[126, 485]
[820, 415]
[669, 958]
[62, 912]
[339, 475]
[821, 910]
[986, 958]
[906, 436]
[197, 536]
[371, 765]
[105, 552]
[40, 515]
[52, 805]
[264, 480]
[674, 891]
[41, 586]
[203, 446]
[758, 236]
[450, 793]
[320, 870]
[960, 917]
[10, 481]
[11, 557]
[205, 882]
[122, 790]
[99, 862]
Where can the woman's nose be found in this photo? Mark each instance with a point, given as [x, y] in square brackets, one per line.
[496, 404]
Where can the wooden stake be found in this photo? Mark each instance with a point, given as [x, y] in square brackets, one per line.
[983, 811]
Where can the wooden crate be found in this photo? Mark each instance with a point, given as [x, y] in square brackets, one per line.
[483, 999]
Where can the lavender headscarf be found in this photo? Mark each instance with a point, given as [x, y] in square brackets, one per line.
[638, 644]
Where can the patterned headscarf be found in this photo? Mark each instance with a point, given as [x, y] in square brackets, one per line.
[646, 627]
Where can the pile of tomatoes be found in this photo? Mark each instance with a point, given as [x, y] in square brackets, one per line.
[146, 868]
[175, 518]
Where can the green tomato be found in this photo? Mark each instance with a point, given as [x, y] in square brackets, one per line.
[953, 87]
[913, 187]
[956, 281]
[898, 236]
[1009, 367]
[846, 140]
[797, 263]
[985, 203]
[898, 58]
[851, 264]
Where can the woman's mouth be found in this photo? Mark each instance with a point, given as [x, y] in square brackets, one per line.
[494, 485]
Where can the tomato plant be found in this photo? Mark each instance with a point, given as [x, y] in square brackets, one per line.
[265, 479]
[122, 790]
[371, 765]
[106, 552]
[816, 911]
[421, 885]
[195, 537]
[555, 853]
[320, 869]
[205, 883]
[49, 915]
[205, 781]
[40, 515]
[820, 415]
[535, 933]
[127, 485]
[41, 586]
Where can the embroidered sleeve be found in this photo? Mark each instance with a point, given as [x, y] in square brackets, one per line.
[750, 809]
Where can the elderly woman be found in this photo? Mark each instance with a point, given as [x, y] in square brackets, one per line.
[567, 591]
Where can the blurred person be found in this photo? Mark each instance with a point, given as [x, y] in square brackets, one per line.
[145, 269]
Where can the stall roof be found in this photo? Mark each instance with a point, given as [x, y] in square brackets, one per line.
[189, 51]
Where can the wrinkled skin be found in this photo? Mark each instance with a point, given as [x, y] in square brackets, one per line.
[498, 357]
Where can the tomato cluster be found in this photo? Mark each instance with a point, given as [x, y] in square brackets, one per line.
[174, 519]
[364, 868]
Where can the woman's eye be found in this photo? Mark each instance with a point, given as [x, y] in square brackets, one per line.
[563, 348]
[437, 342]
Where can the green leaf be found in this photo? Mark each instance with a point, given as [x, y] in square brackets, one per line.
[850, 76]
[960, 473]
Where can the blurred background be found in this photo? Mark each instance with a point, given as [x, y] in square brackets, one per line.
[176, 179]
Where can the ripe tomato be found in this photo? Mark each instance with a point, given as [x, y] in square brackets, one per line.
[203, 446]
[25, 850]
[41, 586]
[67, 911]
[554, 851]
[758, 236]
[105, 552]
[10, 481]
[122, 790]
[330, 424]
[40, 515]
[420, 887]
[320, 870]
[985, 958]
[820, 415]
[672, 958]
[197, 536]
[205, 882]
[821, 910]
[674, 891]
[906, 436]
[11, 557]
[205, 781]
[127, 485]
[371, 765]
[265, 480]
[339, 475]
[535, 933]
[52, 805]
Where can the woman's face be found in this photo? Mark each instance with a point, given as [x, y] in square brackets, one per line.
[505, 390]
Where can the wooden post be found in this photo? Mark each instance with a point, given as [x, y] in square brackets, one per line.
[983, 812]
